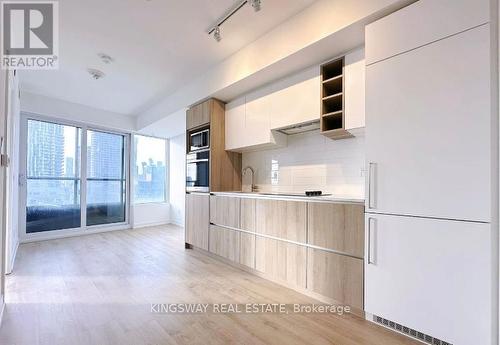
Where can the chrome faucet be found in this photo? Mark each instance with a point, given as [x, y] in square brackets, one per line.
[253, 186]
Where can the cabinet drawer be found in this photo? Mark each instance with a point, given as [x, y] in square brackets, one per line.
[225, 242]
[247, 249]
[335, 276]
[282, 219]
[247, 214]
[421, 23]
[225, 210]
[282, 261]
[337, 226]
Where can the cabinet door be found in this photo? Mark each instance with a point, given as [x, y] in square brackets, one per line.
[296, 99]
[225, 211]
[354, 89]
[197, 220]
[428, 124]
[430, 275]
[423, 22]
[198, 115]
[282, 219]
[235, 124]
[282, 261]
[337, 226]
[335, 276]
[225, 242]
[257, 123]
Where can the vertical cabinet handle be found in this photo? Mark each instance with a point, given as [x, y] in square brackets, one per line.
[371, 223]
[371, 185]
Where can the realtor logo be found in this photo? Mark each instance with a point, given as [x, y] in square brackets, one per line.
[29, 34]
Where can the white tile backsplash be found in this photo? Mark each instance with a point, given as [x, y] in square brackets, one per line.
[310, 162]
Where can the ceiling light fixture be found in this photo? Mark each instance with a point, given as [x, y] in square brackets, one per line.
[215, 29]
[95, 73]
[105, 58]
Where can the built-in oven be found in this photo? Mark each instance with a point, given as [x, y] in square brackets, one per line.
[199, 140]
[198, 171]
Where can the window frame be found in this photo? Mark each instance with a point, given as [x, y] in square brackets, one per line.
[166, 199]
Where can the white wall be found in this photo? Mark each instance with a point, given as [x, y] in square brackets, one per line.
[150, 214]
[310, 162]
[177, 178]
[76, 112]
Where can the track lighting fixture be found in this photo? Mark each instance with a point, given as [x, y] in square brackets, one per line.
[256, 5]
[217, 35]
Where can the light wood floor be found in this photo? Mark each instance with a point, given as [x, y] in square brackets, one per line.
[98, 289]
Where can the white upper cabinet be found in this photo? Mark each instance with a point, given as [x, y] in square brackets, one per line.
[247, 124]
[428, 125]
[295, 99]
[354, 89]
[235, 123]
[421, 23]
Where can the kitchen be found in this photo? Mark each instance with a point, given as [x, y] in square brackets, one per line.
[351, 180]
[259, 172]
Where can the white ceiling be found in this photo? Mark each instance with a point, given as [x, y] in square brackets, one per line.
[158, 45]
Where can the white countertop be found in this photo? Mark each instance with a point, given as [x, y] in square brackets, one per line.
[291, 196]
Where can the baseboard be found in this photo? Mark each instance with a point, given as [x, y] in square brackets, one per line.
[177, 222]
[146, 225]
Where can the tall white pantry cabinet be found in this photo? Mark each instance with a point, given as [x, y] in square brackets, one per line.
[429, 246]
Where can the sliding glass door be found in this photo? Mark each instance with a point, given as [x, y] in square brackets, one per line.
[105, 178]
[76, 177]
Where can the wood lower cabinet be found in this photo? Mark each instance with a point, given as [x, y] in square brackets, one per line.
[335, 276]
[247, 214]
[280, 240]
[281, 261]
[225, 242]
[225, 210]
[197, 220]
[247, 249]
[337, 226]
[282, 219]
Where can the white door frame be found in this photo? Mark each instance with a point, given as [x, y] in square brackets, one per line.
[83, 229]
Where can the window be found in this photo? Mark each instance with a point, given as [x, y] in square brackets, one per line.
[150, 170]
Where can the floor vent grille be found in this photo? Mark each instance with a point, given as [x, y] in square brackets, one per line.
[409, 331]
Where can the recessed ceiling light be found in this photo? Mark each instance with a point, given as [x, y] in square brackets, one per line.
[105, 58]
[95, 73]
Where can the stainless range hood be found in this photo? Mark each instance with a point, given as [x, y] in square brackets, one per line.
[300, 127]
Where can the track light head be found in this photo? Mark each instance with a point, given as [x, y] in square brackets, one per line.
[217, 35]
[256, 5]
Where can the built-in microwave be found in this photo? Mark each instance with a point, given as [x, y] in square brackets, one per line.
[198, 171]
[199, 140]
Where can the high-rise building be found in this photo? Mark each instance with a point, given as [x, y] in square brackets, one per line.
[45, 149]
